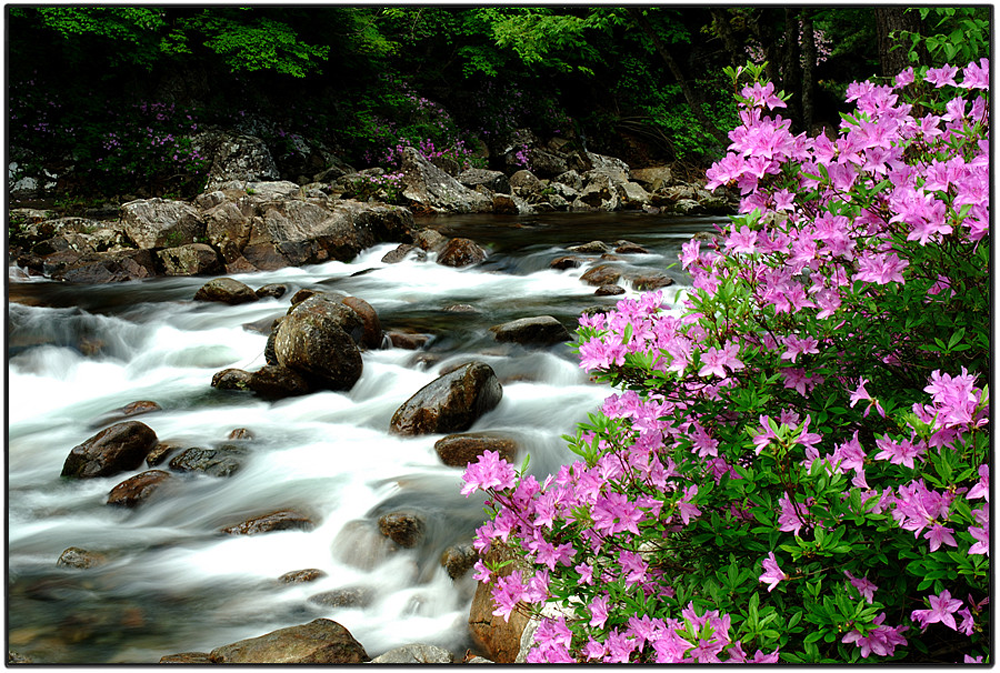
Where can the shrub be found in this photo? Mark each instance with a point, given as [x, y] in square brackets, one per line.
[796, 464]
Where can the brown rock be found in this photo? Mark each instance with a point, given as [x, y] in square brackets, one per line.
[359, 544]
[137, 490]
[101, 267]
[404, 528]
[193, 259]
[594, 247]
[459, 450]
[602, 274]
[609, 290]
[371, 336]
[226, 291]
[268, 523]
[301, 576]
[231, 379]
[121, 447]
[630, 248]
[461, 252]
[500, 640]
[450, 403]
[221, 462]
[544, 330]
[160, 453]
[430, 240]
[566, 263]
[458, 559]
[129, 410]
[408, 341]
[276, 290]
[652, 281]
[74, 557]
[274, 382]
[318, 339]
[159, 223]
[241, 433]
[321, 641]
[402, 252]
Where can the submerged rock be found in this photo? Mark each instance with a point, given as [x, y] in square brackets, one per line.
[415, 653]
[75, 557]
[404, 528]
[281, 520]
[450, 403]
[137, 490]
[121, 447]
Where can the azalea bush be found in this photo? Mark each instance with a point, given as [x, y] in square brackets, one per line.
[795, 466]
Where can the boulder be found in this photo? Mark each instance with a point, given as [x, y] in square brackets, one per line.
[458, 559]
[506, 204]
[371, 335]
[594, 247]
[100, 267]
[415, 654]
[68, 242]
[222, 462]
[570, 179]
[407, 340]
[546, 164]
[458, 450]
[494, 181]
[137, 490]
[227, 228]
[525, 184]
[654, 177]
[74, 557]
[121, 447]
[645, 282]
[161, 223]
[303, 232]
[461, 252]
[500, 640]
[281, 520]
[274, 382]
[318, 339]
[404, 528]
[632, 195]
[302, 576]
[544, 330]
[599, 193]
[226, 291]
[430, 188]
[321, 641]
[614, 168]
[234, 157]
[450, 403]
[194, 259]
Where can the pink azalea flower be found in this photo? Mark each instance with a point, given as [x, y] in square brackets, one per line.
[715, 360]
[489, 471]
[772, 573]
[942, 609]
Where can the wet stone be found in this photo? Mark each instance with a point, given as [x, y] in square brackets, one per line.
[302, 576]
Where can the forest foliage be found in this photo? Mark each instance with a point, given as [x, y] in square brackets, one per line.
[641, 83]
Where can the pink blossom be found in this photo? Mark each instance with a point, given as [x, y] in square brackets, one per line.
[714, 360]
[942, 609]
[865, 588]
[944, 76]
[489, 471]
[772, 573]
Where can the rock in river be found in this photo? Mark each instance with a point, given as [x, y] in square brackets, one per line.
[227, 291]
[321, 641]
[121, 447]
[540, 330]
[136, 490]
[450, 403]
[319, 339]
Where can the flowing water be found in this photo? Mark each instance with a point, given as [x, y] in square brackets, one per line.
[172, 582]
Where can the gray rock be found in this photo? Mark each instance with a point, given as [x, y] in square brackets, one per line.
[101, 267]
[235, 157]
[415, 654]
[494, 181]
[160, 223]
[193, 259]
[221, 462]
[430, 188]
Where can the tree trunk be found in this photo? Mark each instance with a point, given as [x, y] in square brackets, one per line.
[791, 65]
[890, 19]
[689, 96]
[808, 69]
[720, 18]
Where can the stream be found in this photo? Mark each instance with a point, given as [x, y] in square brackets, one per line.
[172, 582]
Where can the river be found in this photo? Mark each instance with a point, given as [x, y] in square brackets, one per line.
[172, 582]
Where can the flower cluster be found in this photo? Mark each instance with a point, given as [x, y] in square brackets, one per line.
[799, 452]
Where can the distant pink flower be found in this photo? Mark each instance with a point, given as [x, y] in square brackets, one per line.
[599, 611]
